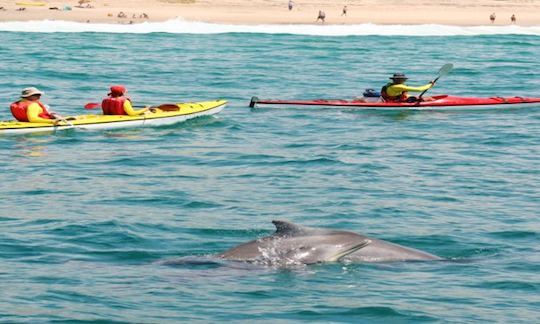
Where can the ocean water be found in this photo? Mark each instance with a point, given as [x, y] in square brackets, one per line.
[90, 220]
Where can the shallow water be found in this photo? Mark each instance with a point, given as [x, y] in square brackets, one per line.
[88, 219]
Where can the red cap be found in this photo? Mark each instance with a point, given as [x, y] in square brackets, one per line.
[118, 90]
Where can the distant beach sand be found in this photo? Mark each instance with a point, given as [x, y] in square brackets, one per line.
[446, 12]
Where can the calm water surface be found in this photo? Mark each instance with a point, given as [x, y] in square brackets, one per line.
[88, 218]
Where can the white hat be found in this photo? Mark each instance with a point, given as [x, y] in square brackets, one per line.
[27, 92]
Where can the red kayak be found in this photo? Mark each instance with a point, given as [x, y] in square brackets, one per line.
[439, 102]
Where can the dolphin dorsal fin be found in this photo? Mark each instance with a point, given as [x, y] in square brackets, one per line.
[287, 228]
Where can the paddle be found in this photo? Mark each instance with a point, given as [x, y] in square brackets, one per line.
[60, 118]
[94, 105]
[163, 107]
[445, 69]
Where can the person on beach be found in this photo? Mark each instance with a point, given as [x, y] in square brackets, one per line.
[397, 90]
[492, 17]
[344, 12]
[291, 5]
[118, 104]
[321, 16]
[30, 109]
[513, 19]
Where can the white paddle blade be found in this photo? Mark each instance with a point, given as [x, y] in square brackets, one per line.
[446, 69]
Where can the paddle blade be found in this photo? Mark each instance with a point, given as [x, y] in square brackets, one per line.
[92, 105]
[446, 69]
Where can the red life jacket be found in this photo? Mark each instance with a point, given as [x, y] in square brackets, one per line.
[114, 106]
[401, 98]
[19, 110]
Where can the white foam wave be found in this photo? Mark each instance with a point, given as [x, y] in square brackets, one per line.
[179, 26]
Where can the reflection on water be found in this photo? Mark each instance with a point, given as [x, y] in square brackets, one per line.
[32, 145]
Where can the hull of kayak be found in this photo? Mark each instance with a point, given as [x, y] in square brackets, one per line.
[171, 114]
[441, 102]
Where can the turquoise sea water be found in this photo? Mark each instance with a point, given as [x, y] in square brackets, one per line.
[88, 219]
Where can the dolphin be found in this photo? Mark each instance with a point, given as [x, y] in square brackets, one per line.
[294, 244]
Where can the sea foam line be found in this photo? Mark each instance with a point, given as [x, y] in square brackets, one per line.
[179, 26]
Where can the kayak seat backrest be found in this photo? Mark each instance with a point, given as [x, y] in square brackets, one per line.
[439, 97]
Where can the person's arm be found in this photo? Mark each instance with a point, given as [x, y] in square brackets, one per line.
[130, 111]
[32, 113]
[398, 89]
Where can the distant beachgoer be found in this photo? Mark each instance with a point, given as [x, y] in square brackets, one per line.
[145, 16]
[121, 14]
[134, 16]
[30, 109]
[513, 19]
[291, 5]
[118, 104]
[21, 9]
[3, 9]
[321, 16]
[492, 17]
[344, 12]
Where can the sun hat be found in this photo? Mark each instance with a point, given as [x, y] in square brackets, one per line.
[117, 90]
[27, 92]
[399, 76]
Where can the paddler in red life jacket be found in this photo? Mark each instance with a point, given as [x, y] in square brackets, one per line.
[117, 104]
[30, 109]
[396, 91]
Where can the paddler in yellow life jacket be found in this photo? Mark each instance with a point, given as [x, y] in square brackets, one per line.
[118, 104]
[396, 91]
[30, 109]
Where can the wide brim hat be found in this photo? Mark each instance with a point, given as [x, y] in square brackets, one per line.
[398, 76]
[31, 91]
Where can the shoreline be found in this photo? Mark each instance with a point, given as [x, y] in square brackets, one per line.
[261, 12]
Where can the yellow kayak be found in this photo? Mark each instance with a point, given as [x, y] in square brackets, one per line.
[166, 114]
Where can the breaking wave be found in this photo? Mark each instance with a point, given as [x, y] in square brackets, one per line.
[179, 26]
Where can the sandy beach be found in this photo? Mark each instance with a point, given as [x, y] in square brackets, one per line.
[458, 12]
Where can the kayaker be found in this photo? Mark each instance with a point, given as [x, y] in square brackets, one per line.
[30, 109]
[118, 104]
[396, 91]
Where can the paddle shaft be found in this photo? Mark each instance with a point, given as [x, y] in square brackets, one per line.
[444, 70]
[432, 84]
[60, 118]
[94, 105]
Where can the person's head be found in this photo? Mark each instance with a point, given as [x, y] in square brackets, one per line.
[31, 94]
[398, 78]
[117, 91]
